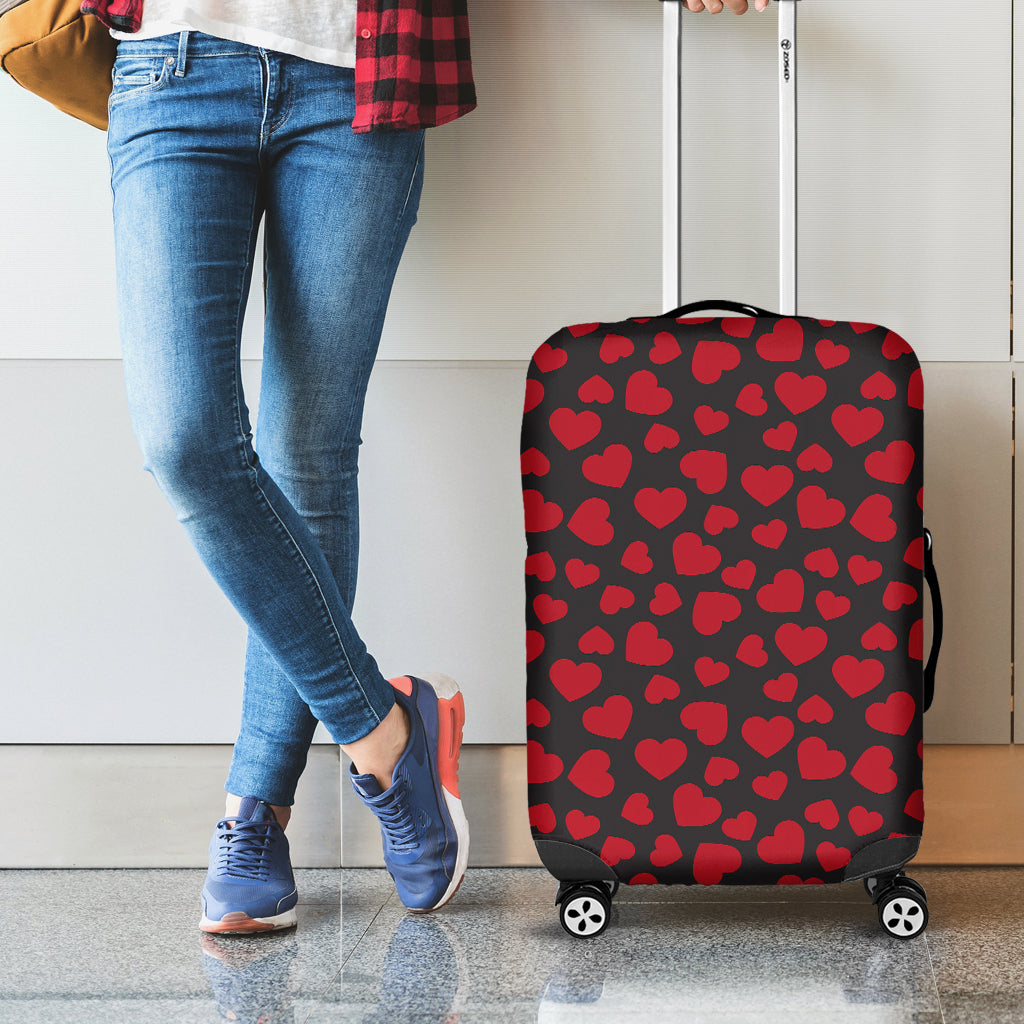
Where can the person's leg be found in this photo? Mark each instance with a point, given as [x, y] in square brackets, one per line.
[339, 210]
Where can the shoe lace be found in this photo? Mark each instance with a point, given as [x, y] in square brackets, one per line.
[244, 848]
[397, 822]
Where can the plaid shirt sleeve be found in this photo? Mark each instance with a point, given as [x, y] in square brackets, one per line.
[413, 68]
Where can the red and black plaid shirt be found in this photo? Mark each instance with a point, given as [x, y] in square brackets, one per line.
[413, 68]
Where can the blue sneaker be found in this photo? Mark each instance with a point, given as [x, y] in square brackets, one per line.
[424, 828]
[249, 886]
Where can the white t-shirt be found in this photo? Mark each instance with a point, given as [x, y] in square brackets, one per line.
[320, 30]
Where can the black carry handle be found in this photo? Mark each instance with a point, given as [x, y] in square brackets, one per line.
[933, 586]
[736, 307]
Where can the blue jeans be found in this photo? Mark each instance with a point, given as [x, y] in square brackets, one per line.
[206, 136]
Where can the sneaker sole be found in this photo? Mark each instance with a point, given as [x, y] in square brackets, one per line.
[451, 717]
[240, 923]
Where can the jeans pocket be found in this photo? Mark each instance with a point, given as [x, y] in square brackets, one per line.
[132, 75]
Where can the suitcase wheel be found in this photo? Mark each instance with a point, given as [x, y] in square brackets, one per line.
[902, 904]
[584, 908]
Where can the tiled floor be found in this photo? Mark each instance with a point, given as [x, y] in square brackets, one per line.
[123, 946]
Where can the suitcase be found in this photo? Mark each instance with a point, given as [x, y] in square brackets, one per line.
[725, 571]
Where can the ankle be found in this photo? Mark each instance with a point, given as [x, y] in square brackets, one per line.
[232, 804]
[379, 752]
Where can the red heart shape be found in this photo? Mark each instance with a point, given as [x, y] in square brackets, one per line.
[595, 389]
[590, 522]
[770, 786]
[873, 770]
[800, 645]
[830, 354]
[661, 688]
[785, 594]
[574, 429]
[894, 346]
[580, 573]
[542, 817]
[636, 559]
[660, 759]
[817, 761]
[740, 575]
[785, 343]
[536, 713]
[580, 825]
[711, 609]
[609, 469]
[797, 393]
[665, 348]
[548, 609]
[767, 736]
[535, 645]
[863, 821]
[784, 846]
[822, 561]
[815, 709]
[741, 827]
[616, 849]
[751, 400]
[892, 465]
[816, 510]
[855, 426]
[871, 518]
[535, 462]
[720, 518]
[539, 515]
[709, 720]
[862, 570]
[659, 508]
[596, 641]
[614, 598]
[645, 647]
[692, 557]
[710, 421]
[708, 468]
[781, 689]
[574, 681]
[894, 716]
[915, 390]
[879, 638]
[713, 860]
[660, 437]
[719, 770]
[781, 438]
[666, 599]
[548, 357]
[857, 677]
[713, 358]
[541, 565]
[615, 347]
[766, 485]
[878, 385]
[643, 394]
[814, 457]
[751, 651]
[832, 606]
[637, 810]
[692, 807]
[823, 813]
[541, 766]
[590, 773]
[770, 535]
[897, 595]
[709, 671]
[609, 719]
[832, 857]
[666, 851]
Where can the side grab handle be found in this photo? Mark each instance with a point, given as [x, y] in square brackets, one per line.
[736, 307]
[933, 586]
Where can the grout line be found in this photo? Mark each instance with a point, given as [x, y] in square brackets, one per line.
[935, 981]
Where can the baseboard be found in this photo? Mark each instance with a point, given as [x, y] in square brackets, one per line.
[91, 806]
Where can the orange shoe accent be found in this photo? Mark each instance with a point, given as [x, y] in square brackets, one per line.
[451, 716]
[237, 922]
[403, 683]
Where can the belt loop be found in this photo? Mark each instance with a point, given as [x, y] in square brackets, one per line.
[182, 47]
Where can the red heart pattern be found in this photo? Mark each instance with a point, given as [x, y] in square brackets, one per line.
[724, 594]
